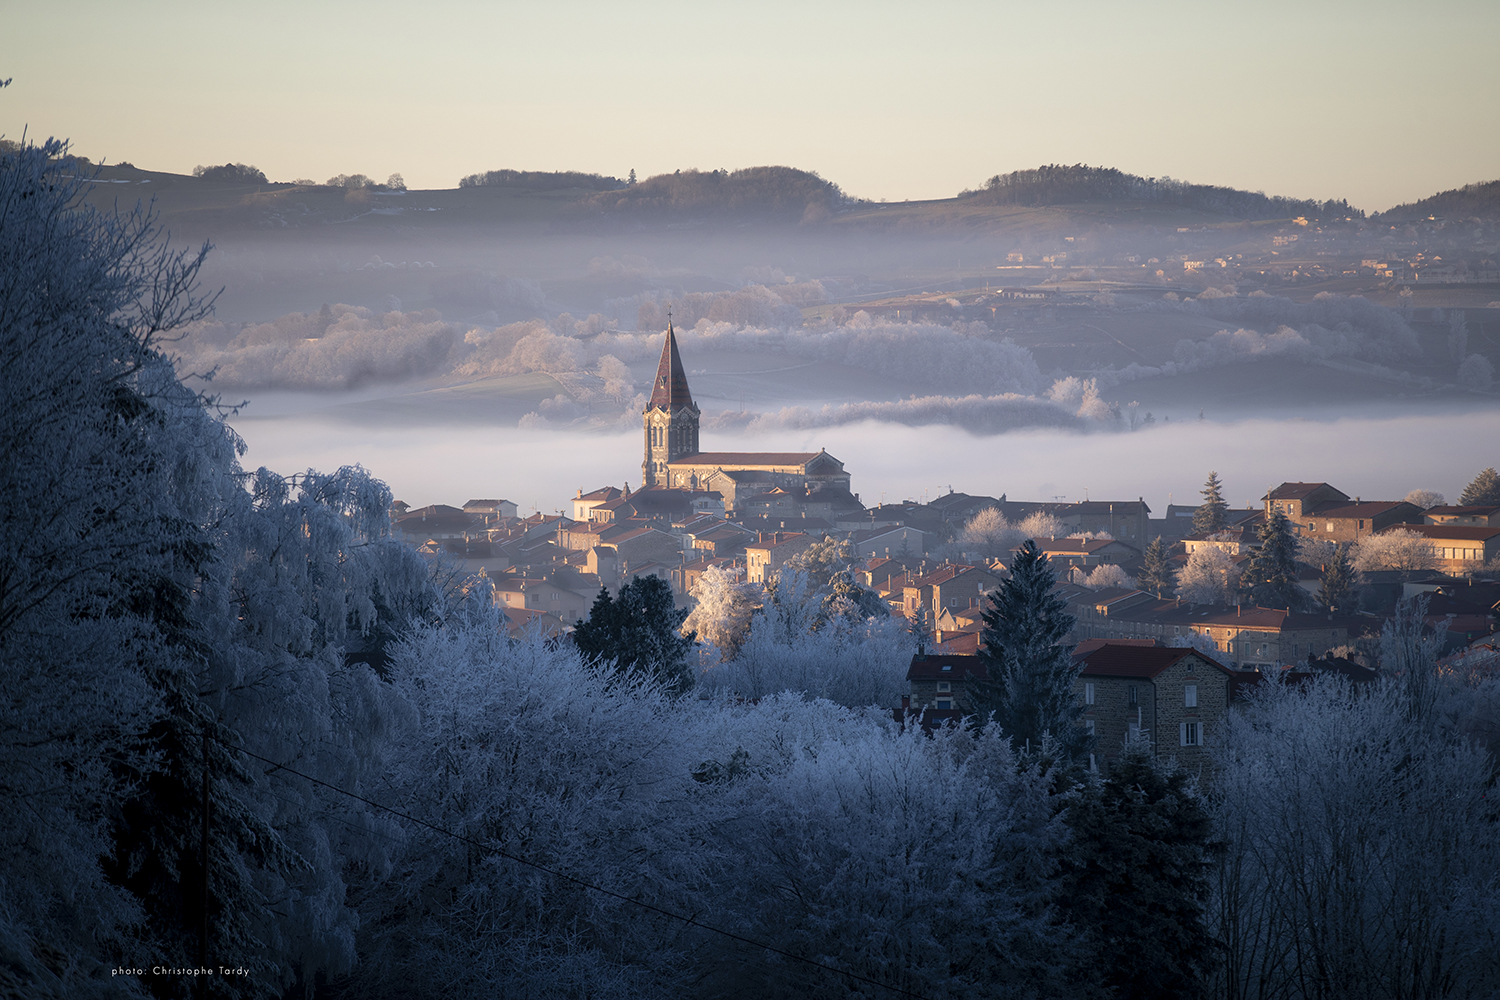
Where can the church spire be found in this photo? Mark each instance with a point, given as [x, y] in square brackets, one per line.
[670, 391]
[671, 419]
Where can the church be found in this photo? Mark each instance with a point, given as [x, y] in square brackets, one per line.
[673, 459]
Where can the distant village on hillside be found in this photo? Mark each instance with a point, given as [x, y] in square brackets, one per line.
[934, 563]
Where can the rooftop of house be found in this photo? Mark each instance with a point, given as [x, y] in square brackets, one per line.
[1453, 532]
[945, 573]
[1300, 491]
[1461, 511]
[1137, 506]
[1116, 659]
[601, 494]
[1360, 508]
[947, 667]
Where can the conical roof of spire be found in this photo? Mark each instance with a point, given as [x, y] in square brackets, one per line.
[670, 390]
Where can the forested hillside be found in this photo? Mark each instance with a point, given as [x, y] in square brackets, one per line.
[1059, 184]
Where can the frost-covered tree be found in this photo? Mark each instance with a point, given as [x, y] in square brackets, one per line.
[1425, 498]
[149, 600]
[1483, 490]
[1210, 576]
[1394, 549]
[794, 645]
[1030, 671]
[1359, 853]
[1108, 575]
[1213, 513]
[1476, 372]
[1156, 575]
[917, 862]
[639, 631]
[822, 559]
[722, 615]
[1270, 577]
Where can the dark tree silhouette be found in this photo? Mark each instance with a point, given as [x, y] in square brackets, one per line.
[639, 631]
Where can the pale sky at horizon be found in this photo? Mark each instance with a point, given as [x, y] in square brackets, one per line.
[1377, 102]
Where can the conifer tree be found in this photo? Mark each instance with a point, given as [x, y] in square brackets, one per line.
[1135, 879]
[1337, 592]
[1270, 578]
[1030, 674]
[1484, 491]
[639, 631]
[1156, 574]
[1213, 513]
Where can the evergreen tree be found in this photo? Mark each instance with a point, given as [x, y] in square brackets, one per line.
[1337, 592]
[1484, 491]
[1031, 675]
[639, 631]
[1270, 578]
[1212, 514]
[1156, 575]
[1135, 879]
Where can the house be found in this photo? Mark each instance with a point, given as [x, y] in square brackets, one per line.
[1250, 637]
[541, 596]
[503, 508]
[1174, 697]
[1457, 549]
[770, 552]
[895, 540]
[1467, 517]
[952, 587]
[585, 502]
[946, 682]
[1066, 553]
[1349, 522]
[1296, 500]
[1125, 520]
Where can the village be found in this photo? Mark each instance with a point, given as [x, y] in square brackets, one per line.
[1152, 598]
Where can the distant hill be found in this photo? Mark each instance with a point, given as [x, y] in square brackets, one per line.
[1482, 200]
[1057, 184]
[543, 180]
[781, 194]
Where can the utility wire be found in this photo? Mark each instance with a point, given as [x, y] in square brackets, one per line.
[576, 881]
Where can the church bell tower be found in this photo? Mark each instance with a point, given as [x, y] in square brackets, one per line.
[671, 419]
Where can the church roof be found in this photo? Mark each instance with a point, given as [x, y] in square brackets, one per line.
[670, 390]
[744, 458]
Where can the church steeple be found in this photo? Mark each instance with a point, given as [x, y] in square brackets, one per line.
[671, 419]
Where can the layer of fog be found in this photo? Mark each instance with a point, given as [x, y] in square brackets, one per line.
[959, 373]
[541, 470]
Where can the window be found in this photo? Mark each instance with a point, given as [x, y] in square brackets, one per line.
[1088, 726]
[1190, 696]
[945, 685]
[1088, 693]
[1190, 734]
[1134, 701]
[944, 704]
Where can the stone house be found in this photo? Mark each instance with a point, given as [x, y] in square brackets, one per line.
[1125, 520]
[945, 681]
[952, 587]
[1176, 698]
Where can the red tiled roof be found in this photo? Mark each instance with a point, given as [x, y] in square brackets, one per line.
[1462, 511]
[1363, 508]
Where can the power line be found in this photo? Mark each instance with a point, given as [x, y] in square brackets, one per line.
[569, 878]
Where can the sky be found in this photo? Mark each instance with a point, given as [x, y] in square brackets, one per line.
[1377, 102]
